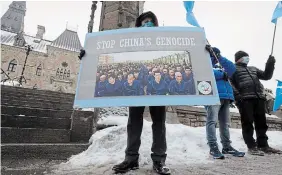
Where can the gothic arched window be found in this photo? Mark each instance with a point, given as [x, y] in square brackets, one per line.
[61, 73]
[58, 72]
[65, 74]
[12, 65]
[39, 70]
[68, 74]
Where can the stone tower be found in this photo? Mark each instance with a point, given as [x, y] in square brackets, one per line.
[119, 14]
[13, 19]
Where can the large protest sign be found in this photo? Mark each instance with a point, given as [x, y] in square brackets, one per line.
[153, 66]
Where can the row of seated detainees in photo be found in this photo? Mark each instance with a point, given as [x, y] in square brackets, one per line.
[138, 84]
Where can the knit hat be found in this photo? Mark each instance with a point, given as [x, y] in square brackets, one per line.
[239, 55]
[148, 14]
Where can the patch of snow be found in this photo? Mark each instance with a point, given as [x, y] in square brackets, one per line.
[185, 146]
[235, 110]
[113, 120]
[11, 83]
[271, 116]
[88, 109]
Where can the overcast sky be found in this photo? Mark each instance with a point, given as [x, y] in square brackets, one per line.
[230, 26]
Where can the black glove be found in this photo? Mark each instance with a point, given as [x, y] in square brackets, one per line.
[225, 76]
[81, 54]
[209, 48]
[212, 52]
[271, 59]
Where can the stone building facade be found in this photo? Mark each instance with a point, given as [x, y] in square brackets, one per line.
[51, 65]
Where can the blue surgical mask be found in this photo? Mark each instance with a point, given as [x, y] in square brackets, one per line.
[148, 24]
[245, 60]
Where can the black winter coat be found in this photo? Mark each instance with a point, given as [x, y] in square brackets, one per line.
[246, 84]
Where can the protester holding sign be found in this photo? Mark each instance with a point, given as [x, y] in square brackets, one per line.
[135, 124]
[221, 112]
[250, 100]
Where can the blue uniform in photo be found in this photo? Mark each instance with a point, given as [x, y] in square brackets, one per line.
[168, 79]
[190, 83]
[113, 89]
[100, 89]
[134, 90]
[176, 88]
[155, 88]
[150, 78]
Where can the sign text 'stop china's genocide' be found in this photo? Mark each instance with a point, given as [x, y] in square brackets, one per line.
[154, 66]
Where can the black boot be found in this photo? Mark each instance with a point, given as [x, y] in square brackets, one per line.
[126, 166]
[255, 151]
[160, 168]
[269, 150]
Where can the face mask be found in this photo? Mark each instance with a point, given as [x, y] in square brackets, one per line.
[148, 24]
[245, 60]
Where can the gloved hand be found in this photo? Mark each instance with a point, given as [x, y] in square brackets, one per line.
[271, 59]
[213, 52]
[209, 48]
[81, 54]
[225, 76]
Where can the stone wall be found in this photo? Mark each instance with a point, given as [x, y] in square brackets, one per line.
[196, 117]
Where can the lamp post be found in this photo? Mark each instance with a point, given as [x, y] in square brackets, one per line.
[91, 22]
[28, 48]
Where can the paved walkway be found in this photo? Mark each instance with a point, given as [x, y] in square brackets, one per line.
[249, 165]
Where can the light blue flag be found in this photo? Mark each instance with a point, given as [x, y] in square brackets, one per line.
[278, 98]
[277, 12]
[190, 18]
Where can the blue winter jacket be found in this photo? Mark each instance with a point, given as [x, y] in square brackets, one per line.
[155, 88]
[100, 89]
[224, 88]
[113, 89]
[135, 89]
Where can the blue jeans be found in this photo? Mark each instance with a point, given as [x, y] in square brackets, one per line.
[220, 113]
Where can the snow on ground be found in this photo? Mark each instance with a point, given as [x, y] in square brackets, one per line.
[113, 120]
[11, 83]
[186, 146]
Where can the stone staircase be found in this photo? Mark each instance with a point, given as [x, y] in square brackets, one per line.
[42, 124]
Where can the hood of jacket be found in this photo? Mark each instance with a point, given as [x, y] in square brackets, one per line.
[144, 15]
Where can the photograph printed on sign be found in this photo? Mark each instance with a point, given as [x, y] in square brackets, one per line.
[145, 73]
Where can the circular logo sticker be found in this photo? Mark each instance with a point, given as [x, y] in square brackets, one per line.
[204, 87]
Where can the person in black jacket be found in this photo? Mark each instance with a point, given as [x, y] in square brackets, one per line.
[250, 100]
[135, 125]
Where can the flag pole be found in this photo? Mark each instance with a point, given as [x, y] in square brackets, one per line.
[273, 39]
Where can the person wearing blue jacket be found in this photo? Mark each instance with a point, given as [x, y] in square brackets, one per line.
[178, 86]
[170, 77]
[157, 86]
[188, 77]
[221, 112]
[100, 87]
[132, 87]
[113, 87]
